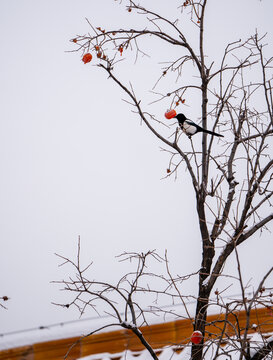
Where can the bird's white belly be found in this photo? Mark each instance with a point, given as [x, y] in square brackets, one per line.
[189, 129]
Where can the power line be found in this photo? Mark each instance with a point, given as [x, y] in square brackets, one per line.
[64, 323]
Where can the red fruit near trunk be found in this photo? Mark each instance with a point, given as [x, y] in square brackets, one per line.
[196, 337]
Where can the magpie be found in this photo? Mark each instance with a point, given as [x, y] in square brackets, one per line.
[190, 128]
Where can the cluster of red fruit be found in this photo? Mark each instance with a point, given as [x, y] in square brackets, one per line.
[180, 100]
[99, 53]
[88, 57]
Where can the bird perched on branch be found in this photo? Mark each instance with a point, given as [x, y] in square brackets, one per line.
[190, 128]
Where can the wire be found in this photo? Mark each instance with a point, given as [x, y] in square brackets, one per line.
[64, 323]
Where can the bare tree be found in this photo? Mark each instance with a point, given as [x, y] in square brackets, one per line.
[231, 177]
[122, 303]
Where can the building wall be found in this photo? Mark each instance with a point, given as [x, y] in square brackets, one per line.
[159, 335]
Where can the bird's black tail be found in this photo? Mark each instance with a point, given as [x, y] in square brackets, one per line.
[212, 133]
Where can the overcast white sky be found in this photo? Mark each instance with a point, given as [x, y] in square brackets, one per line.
[75, 160]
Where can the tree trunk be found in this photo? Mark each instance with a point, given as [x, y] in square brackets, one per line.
[204, 291]
[200, 321]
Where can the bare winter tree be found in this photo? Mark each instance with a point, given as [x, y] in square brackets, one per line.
[231, 176]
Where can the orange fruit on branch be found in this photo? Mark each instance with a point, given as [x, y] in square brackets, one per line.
[87, 58]
[169, 114]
